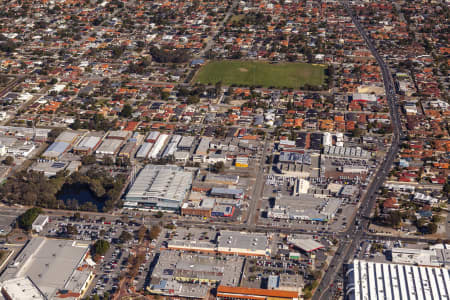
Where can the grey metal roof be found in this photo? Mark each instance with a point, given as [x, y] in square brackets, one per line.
[242, 240]
[161, 183]
[49, 263]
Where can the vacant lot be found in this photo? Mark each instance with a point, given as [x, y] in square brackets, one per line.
[249, 73]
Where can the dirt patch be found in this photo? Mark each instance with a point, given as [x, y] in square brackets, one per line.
[243, 70]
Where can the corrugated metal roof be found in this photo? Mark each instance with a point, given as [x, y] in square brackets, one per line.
[373, 280]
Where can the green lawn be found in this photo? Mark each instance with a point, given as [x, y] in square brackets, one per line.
[254, 73]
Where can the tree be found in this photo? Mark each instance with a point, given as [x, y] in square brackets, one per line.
[9, 160]
[125, 236]
[193, 100]
[357, 132]
[154, 232]
[77, 216]
[431, 228]
[107, 160]
[141, 233]
[395, 219]
[26, 219]
[436, 219]
[421, 222]
[100, 248]
[218, 167]
[218, 88]
[159, 214]
[88, 160]
[446, 188]
[126, 112]
[71, 229]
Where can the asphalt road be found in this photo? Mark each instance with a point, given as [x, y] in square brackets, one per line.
[257, 189]
[355, 232]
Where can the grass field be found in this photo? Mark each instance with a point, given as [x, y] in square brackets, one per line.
[250, 73]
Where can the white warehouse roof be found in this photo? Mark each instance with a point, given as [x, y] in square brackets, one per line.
[370, 280]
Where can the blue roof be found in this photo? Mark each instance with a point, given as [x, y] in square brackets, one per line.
[197, 61]
[425, 213]
[162, 285]
[58, 147]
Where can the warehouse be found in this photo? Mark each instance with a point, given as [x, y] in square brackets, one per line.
[243, 243]
[109, 147]
[421, 257]
[222, 211]
[241, 162]
[222, 179]
[157, 147]
[57, 267]
[181, 156]
[294, 158]
[69, 137]
[176, 138]
[304, 207]
[186, 143]
[227, 193]
[203, 146]
[199, 209]
[127, 150]
[187, 275]
[364, 280]
[51, 168]
[152, 137]
[192, 246]
[18, 148]
[119, 135]
[55, 150]
[144, 150]
[191, 267]
[169, 150]
[25, 133]
[351, 152]
[159, 188]
[87, 145]
[21, 288]
[367, 98]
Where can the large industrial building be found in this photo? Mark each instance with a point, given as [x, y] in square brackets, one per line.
[242, 243]
[53, 268]
[371, 280]
[228, 242]
[187, 275]
[20, 289]
[305, 207]
[159, 188]
[87, 145]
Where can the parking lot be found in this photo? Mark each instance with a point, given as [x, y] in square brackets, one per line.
[7, 219]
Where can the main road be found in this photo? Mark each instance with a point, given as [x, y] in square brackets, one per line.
[355, 231]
